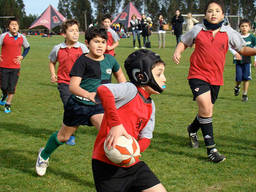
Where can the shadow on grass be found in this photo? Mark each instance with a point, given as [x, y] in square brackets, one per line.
[170, 143]
[48, 84]
[8, 159]
[26, 130]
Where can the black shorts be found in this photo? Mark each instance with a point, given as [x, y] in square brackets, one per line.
[64, 92]
[9, 79]
[199, 87]
[76, 113]
[110, 178]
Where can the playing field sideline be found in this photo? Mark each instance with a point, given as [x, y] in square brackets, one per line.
[37, 113]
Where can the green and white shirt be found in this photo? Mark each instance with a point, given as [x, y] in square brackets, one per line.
[93, 73]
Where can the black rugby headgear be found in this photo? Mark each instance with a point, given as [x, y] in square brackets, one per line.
[139, 65]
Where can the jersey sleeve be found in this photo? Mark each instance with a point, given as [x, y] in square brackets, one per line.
[25, 42]
[112, 96]
[2, 38]
[79, 67]
[116, 65]
[84, 48]
[147, 131]
[54, 53]
[114, 35]
[236, 41]
[189, 37]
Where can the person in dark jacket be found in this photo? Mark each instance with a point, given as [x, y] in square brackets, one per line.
[177, 22]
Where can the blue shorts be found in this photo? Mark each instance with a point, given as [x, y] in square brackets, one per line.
[76, 113]
[243, 71]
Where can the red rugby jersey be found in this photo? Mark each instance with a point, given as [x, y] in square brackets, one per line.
[11, 48]
[127, 105]
[66, 58]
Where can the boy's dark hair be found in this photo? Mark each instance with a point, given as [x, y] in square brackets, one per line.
[12, 19]
[67, 24]
[242, 21]
[95, 31]
[107, 16]
[219, 2]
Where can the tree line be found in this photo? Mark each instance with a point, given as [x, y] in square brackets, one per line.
[93, 10]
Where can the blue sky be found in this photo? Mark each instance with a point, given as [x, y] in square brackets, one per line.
[36, 7]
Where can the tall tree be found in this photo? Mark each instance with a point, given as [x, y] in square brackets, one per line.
[82, 11]
[64, 7]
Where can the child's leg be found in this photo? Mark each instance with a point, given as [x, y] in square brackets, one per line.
[245, 88]
[57, 139]
[96, 120]
[205, 109]
[157, 188]
[163, 38]
[159, 40]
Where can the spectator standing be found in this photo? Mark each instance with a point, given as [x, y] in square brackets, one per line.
[135, 26]
[177, 22]
[161, 31]
[190, 22]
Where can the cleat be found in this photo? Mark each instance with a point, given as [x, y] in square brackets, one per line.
[71, 140]
[41, 164]
[244, 98]
[7, 108]
[2, 102]
[236, 91]
[193, 139]
[215, 156]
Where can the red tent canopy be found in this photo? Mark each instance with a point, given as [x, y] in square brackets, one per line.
[125, 16]
[50, 18]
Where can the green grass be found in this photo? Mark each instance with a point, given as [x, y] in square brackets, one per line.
[37, 113]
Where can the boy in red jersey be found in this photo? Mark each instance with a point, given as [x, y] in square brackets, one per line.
[113, 38]
[10, 60]
[212, 40]
[129, 111]
[66, 54]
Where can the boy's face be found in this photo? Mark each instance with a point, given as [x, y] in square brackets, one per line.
[245, 28]
[158, 74]
[72, 33]
[13, 27]
[97, 47]
[214, 13]
[106, 23]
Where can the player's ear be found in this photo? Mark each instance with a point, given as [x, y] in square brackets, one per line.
[86, 43]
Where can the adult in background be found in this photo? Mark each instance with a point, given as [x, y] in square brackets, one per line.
[145, 26]
[161, 31]
[135, 26]
[190, 22]
[177, 22]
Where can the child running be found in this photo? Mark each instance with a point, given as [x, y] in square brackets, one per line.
[10, 61]
[113, 38]
[89, 71]
[212, 40]
[66, 54]
[145, 70]
[243, 63]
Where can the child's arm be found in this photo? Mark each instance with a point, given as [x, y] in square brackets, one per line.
[110, 111]
[113, 46]
[75, 88]
[247, 51]
[177, 53]
[236, 55]
[52, 71]
[119, 75]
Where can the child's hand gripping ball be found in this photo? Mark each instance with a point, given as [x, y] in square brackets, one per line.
[125, 153]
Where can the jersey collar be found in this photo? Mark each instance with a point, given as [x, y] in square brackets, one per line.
[64, 45]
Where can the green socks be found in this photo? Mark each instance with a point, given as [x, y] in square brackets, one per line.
[52, 144]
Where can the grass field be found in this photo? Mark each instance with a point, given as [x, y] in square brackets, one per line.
[37, 113]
